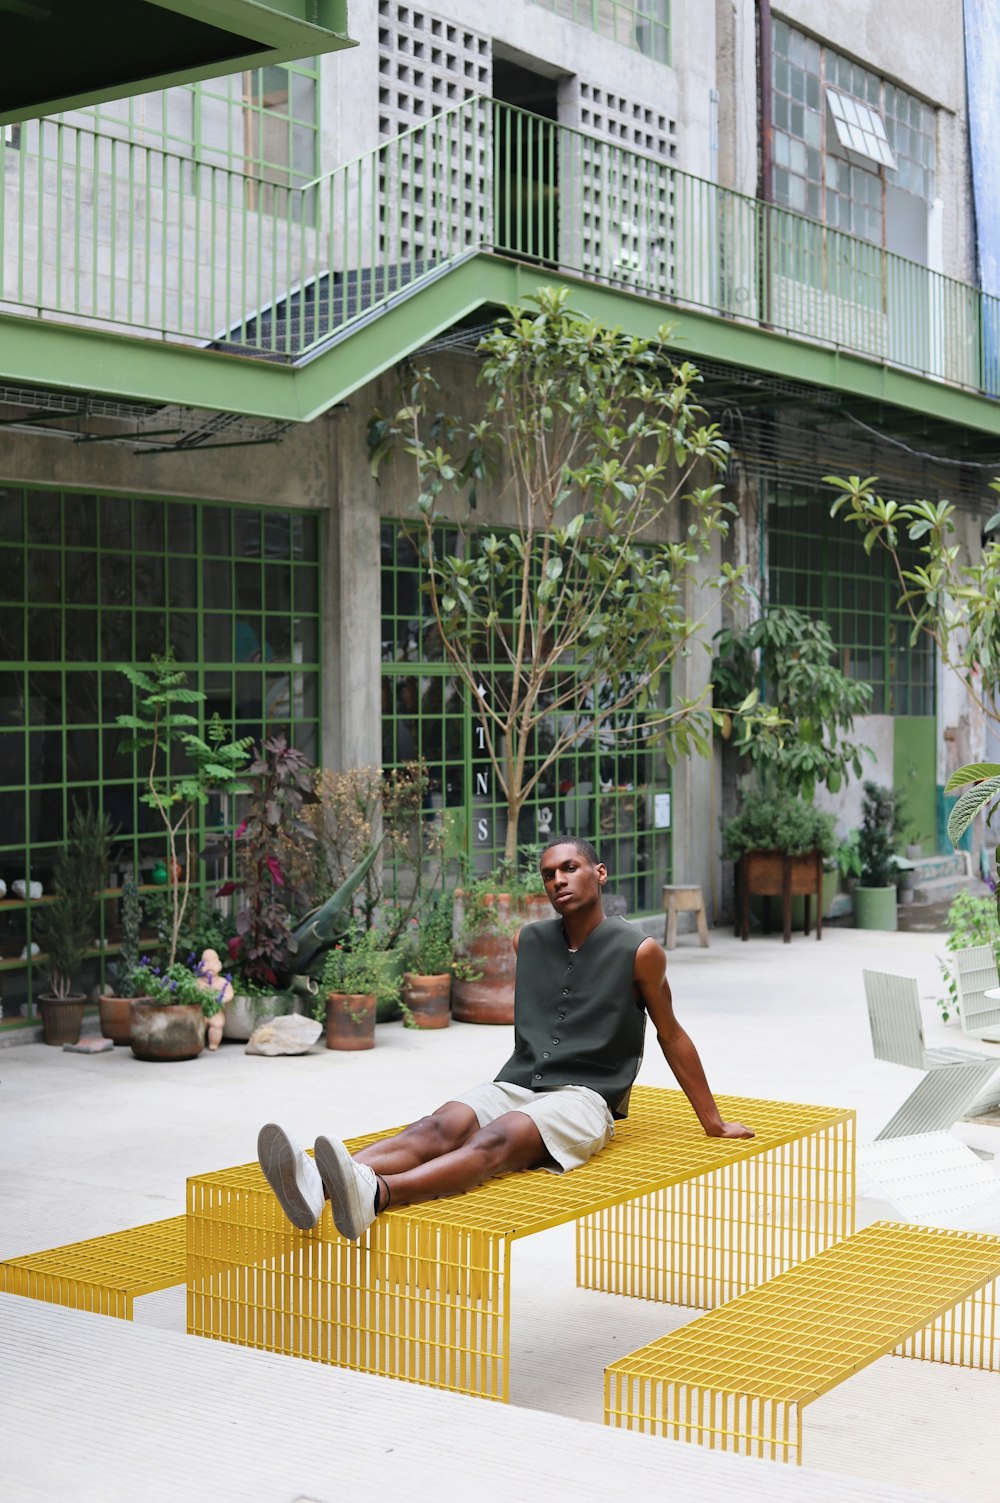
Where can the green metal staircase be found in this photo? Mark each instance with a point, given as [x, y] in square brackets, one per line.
[134, 272]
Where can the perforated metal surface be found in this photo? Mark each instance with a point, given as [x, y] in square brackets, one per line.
[664, 1212]
[104, 1274]
[975, 974]
[739, 1377]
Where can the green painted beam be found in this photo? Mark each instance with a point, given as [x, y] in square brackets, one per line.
[59, 58]
[41, 352]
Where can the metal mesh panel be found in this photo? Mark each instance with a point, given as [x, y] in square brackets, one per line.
[424, 1296]
[104, 1274]
[738, 1379]
[975, 974]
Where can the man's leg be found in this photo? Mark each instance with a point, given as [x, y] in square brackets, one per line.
[357, 1190]
[442, 1132]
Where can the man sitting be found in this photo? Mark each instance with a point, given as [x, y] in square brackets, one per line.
[584, 985]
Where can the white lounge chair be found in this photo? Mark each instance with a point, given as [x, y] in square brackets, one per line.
[975, 974]
[958, 1082]
[931, 1179]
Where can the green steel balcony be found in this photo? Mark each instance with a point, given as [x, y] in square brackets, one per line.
[60, 54]
[133, 240]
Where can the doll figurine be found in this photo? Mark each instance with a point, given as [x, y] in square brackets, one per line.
[211, 979]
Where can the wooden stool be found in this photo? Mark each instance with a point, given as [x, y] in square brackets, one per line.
[683, 900]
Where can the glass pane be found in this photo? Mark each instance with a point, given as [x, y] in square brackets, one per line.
[81, 521]
[149, 520]
[116, 522]
[44, 635]
[11, 633]
[43, 517]
[11, 516]
[81, 636]
[216, 583]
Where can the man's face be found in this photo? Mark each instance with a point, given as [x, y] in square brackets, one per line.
[571, 881]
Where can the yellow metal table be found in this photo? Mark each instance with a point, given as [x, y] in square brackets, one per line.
[664, 1213]
[738, 1379]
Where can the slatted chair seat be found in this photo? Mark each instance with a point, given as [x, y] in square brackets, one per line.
[958, 1082]
[975, 975]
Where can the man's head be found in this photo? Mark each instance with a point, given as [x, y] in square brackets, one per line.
[573, 875]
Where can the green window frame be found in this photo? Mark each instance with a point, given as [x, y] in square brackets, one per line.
[810, 178]
[814, 562]
[603, 793]
[641, 25]
[91, 580]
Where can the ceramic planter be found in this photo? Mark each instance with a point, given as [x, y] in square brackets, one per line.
[167, 1033]
[874, 908]
[244, 1014]
[116, 1017]
[428, 999]
[62, 1019]
[490, 997]
[350, 1020]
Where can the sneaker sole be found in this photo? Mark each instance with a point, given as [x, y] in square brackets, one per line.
[350, 1216]
[276, 1157]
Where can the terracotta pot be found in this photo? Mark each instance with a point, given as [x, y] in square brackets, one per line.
[350, 1020]
[166, 1033]
[428, 999]
[490, 998]
[62, 1019]
[116, 1017]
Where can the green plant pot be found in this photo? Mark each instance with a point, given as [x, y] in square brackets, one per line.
[875, 908]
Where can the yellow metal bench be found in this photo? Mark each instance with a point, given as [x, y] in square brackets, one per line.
[739, 1378]
[664, 1213]
[104, 1274]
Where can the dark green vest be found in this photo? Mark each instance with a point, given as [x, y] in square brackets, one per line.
[577, 1019]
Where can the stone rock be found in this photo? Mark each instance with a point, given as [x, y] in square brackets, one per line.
[288, 1035]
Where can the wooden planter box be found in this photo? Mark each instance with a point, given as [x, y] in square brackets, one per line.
[772, 874]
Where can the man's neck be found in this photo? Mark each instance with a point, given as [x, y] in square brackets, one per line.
[577, 927]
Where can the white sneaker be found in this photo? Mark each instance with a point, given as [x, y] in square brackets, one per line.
[352, 1187]
[292, 1176]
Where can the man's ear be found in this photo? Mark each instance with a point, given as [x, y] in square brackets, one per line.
[602, 873]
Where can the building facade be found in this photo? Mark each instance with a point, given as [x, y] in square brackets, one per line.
[207, 291]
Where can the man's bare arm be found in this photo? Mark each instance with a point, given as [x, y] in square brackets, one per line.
[650, 976]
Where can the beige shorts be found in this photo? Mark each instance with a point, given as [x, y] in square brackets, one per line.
[574, 1122]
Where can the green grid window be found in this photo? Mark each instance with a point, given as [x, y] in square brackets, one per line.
[88, 582]
[603, 788]
[818, 565]
[642, 25]
[812, 173]
[264, 123]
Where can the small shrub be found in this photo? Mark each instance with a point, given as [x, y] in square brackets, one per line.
[780, 823]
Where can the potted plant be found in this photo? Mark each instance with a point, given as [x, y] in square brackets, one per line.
[779, 844]
[875, 891]
[427, 984]
[488, 913]
[123, 980]
[183, 769]
[263, 948]
[356, 974]
[168, 1020]
[65, 925]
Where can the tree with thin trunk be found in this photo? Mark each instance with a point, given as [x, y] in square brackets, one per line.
[594, 441]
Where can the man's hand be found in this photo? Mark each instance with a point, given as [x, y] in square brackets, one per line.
[729, 1130]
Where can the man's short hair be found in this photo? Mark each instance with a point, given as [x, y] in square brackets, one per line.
[583, 846]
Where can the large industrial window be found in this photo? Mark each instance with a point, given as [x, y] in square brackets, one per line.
[88, 582]
[643, 25]
[603, 788]
[817, 564]
[816, 96]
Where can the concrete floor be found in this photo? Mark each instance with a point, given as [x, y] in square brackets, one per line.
[95, 1143]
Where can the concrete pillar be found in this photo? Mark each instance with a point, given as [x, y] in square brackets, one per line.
[352, 705]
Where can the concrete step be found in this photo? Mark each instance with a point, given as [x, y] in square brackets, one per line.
[943, 889]
[930, 868]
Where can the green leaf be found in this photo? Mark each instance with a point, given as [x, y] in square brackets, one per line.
[972, 772]
[969, 804]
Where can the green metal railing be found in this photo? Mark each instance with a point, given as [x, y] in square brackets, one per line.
[126, 235]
